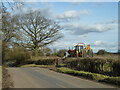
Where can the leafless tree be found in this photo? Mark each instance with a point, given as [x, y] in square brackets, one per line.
[9, 33]
[37, 31]
[4, 4]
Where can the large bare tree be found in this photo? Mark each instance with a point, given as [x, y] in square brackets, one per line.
[4, 4]
[37, 31]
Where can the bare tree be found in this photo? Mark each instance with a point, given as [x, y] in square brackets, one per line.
[8, 34]
[37, 30]
[9, 31]
[4, 4]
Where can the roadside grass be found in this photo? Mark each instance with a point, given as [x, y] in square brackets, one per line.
[42, 58]
[112, 80]
[89, 75]
[61, 65]
[34, 65]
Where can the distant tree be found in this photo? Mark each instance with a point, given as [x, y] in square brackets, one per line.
[61, 53]
[54, 52]
[37, 31]
[47, 51]
[101, 52]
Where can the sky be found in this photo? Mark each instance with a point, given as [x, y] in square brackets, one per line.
[94, 23]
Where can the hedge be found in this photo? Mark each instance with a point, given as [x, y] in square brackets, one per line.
[95, 65]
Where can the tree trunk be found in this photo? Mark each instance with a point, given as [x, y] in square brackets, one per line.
[35, 51]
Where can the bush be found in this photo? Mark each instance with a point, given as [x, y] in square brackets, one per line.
[20, 55]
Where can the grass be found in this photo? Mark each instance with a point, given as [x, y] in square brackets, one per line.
[89, 75]
[112, 80]
[47, 57]
[61, 65]
[34, 65]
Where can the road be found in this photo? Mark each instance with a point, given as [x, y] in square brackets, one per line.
[34, 77]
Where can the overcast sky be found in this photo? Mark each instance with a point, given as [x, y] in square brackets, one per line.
[94, 23]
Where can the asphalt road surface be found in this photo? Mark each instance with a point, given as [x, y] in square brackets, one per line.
[34, 77]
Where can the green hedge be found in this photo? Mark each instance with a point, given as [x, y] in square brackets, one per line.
[95, 65]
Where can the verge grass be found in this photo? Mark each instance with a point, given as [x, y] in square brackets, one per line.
[89, 75]
[34, 65]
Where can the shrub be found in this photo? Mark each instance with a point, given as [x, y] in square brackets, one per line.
[20, 55]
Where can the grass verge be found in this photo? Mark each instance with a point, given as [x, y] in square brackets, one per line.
[34, 65]
[89, 75]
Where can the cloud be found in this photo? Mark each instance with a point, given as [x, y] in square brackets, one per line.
[62, 45]
[80, 29]
[109, 22]
[108, 46]
[97, 45]
[46, 11]
[72, 15]
[67, 41]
